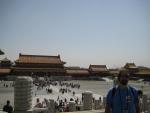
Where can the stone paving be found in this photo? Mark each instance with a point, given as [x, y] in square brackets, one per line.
[90, 111]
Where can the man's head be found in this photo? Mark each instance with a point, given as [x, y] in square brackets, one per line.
[8, 102]
[123, 77]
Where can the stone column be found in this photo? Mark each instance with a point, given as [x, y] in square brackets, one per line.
[97, 104]
[72, 107]
[145, 104]
[23, 95]
[104, 102]
[51, 106]
[87, 100]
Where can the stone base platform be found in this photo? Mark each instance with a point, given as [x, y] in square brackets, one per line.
[89, 111]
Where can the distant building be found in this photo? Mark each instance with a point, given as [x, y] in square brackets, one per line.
[77, 72]
[114, 72]
[5, 68]
[138, 71]
[131, 67]
[143, 73]
[1, 52]
[39, 65]
[98, 70]
[5, 63]
[53, 66]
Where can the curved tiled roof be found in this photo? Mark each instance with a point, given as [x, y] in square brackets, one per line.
[39, 59]
[98, 68]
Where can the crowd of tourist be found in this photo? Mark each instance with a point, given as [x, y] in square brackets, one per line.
[61, 104]
[64, 87]
[7, 84]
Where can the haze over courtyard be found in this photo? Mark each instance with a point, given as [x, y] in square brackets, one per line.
[82, 32]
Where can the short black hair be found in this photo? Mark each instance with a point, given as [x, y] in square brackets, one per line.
[8, 102]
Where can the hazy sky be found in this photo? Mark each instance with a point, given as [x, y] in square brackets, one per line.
[83, 32]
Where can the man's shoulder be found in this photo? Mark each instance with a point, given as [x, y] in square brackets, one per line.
[111, 91]
[5, 106]
[132, 88]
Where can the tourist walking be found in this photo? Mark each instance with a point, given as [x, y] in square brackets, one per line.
[38, 103]
[8, 108]
[122, 98]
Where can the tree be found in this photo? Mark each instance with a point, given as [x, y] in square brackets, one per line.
[1, 52]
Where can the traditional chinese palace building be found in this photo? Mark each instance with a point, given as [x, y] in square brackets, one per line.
[5, 68]
[114, 72]
[77, 72]
[53, 67]
[39, 65]
[131, 67]
[1, 52]
[98, 70]
[143, 73]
